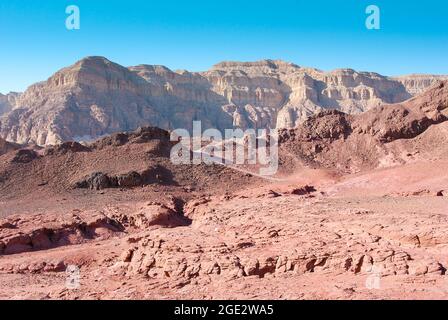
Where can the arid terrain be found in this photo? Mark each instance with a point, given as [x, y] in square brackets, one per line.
[358, 210]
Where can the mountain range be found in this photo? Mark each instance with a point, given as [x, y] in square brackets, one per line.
[96, 97]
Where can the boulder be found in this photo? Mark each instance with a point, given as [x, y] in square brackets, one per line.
[24, 156]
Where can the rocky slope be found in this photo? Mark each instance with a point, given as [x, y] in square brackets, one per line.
[384, 136]
[96, 97]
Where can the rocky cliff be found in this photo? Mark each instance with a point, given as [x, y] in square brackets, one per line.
[7, 102]
[417, 83]
[95, 97]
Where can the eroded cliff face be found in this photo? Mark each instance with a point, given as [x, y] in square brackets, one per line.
[418, 83]
[95, 97]
[7, 102]
[4, 104]
[283, 94]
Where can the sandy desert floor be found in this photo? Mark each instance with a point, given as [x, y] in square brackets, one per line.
[267, 241]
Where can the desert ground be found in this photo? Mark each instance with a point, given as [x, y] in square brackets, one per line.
[358, 210]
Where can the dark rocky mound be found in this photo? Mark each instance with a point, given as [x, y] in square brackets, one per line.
[141, 135]
[100, 180]
[65, 148]
[24, 156]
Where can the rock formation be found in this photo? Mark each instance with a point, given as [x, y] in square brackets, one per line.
[382, 136]
[417, 83]
[96, 97]
[7, 102]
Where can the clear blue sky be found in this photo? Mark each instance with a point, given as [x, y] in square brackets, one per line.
[194, 35]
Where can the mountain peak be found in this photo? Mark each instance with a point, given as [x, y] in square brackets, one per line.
[93, 60]
[93, 71]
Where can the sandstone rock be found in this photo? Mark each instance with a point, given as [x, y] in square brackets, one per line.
[251, 267]
[157, 215]
[43, 232]
[126, 256]
[55, 266]
[17, 244]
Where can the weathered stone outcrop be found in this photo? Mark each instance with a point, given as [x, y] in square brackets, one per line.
[418, 83]
[7, 102]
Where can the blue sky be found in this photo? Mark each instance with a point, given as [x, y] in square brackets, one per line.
[194, 35]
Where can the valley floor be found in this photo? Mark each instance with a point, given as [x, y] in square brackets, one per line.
[267, 241]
